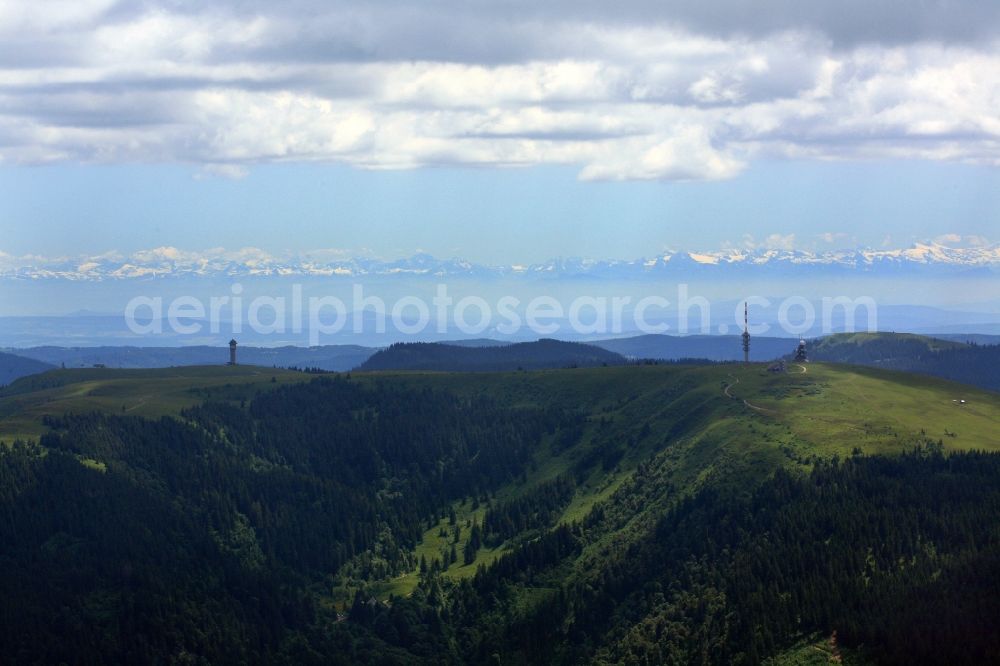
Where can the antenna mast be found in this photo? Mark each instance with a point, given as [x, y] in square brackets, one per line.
[746, 335]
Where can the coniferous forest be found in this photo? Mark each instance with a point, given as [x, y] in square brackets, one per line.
[217, 537]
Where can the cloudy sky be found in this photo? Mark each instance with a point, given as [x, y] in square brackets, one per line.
[498, 131]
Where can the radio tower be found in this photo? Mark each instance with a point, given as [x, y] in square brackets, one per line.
[746, 335]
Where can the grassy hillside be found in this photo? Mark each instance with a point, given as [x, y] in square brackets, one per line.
[148, 392]
[970, 363]
[881, 345]
[818, 406]
[818, 402]
[615, 484]
[725, 424]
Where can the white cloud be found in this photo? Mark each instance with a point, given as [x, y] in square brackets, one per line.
[780, 242]
[947, 239]
[630, 96]
[771, 242]
[977, 241]
[230, 171]
[685, 153]
[959, 241]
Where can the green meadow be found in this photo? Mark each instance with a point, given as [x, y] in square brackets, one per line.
[639, 439]
[149, 393]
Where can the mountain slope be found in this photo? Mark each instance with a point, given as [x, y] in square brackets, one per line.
[13, 366]
[604, 515]
[520, 356]
[711, 347]
[958, 361]
[150, 393]
[475, 342]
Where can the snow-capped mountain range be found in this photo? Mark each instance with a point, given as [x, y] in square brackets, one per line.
[166, 262]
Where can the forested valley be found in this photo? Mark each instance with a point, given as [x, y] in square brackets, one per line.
[220, 537]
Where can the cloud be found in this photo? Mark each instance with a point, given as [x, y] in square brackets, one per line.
[640, 90]
[780, 242]
[958, 240]
[229, 171]
[946, 239]
[832, 237]
[771, 242]
[684, 154]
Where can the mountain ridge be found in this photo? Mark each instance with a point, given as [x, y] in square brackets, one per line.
[169, 261]
[637, 514]
[15, 366]
[542, 354]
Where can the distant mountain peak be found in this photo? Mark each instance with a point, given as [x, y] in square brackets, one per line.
[171, 262]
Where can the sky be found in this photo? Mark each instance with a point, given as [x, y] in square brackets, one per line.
[492, 216]
[497, 131]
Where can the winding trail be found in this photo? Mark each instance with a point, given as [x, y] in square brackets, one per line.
[142, 401]
[747, 403]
